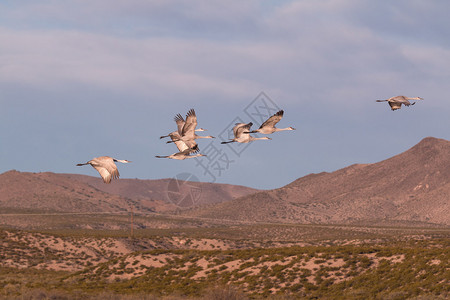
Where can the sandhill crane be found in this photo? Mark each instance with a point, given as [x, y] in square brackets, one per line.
[183, 154]
[187, 129]
[397, 101]
[241, 134]
[268, 126]
[180, 123]
[106, 167]
[182, 145]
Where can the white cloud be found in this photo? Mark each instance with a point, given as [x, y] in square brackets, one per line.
[319, 49]
[49, 59]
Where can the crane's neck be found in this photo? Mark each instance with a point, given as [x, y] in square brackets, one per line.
[261, 138]
[122, 161]
[282, 129]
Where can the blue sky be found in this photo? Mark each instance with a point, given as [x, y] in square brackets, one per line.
[80, 79]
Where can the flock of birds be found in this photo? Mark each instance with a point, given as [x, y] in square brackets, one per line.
[185, 135]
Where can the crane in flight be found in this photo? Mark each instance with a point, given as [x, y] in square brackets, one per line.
[268, 127]
[183, 154]
[185, 148]
[186, 129]
[241, 134]
[106, 167]
[397, 101]
[180, 123]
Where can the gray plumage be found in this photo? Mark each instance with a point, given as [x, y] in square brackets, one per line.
[186, 128]
[397, 101]
[106, 167]
[183, 154]
[268, 127]
[180, 124]
[241, 134]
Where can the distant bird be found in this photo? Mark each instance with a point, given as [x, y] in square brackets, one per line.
[180, 123]
[106, 167]
[241, 134]
[183, 154]
[396, 102]
[186, 129]
[268, 126]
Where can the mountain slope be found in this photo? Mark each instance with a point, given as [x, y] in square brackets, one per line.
[172, 191]
[54, 192]
[79, 193]
[412, 186]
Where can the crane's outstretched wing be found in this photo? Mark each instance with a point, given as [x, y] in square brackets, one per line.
[180, 123]
[398, 98]
[188, 151]
[241, 128]
[192, 150]
[176, 138]
[106, 168]
[273, 120]
[190, 124]
[182, 145]
[395, 105]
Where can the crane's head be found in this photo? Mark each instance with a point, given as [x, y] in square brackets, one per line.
[291, 128]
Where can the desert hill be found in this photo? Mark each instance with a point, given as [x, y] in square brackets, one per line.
[180, 192]
[54, 192]
[413, 186]
[79, 193]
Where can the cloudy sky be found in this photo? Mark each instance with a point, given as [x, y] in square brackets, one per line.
[80, 79]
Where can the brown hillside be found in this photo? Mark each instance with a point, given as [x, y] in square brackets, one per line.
[54, 192]
[79, 193]
[168, 190]
[413, 186]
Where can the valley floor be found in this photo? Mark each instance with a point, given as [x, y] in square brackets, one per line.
[191, 259]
